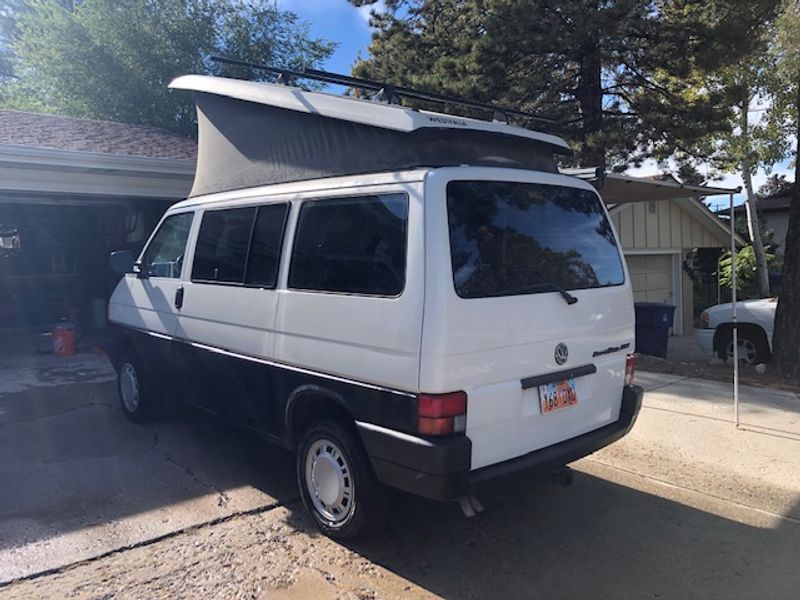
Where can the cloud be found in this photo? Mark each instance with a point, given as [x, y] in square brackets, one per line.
[366, 11]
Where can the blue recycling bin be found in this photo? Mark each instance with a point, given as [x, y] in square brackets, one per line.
[653, 320]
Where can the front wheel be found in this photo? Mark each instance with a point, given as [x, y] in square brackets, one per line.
[337, 485]
[134, 392]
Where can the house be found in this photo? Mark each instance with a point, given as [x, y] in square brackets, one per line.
[773, 213]
[659, 222]
[71, 191]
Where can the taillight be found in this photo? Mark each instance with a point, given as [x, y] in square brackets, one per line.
[441, 414]
[630, 368]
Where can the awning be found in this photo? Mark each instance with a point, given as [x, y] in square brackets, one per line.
[619, 189]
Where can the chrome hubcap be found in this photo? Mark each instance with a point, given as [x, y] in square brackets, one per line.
[129, 387]
[747, 350]
[329, 481]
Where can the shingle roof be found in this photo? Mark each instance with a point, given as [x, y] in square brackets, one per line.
[70, 133]
[780, 201]
[776, 203]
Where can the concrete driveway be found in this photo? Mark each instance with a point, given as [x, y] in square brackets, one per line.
[93, 506]
[79, 480]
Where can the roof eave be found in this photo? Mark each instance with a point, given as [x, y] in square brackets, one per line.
[31, 156]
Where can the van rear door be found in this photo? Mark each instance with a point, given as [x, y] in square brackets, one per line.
[528, 308]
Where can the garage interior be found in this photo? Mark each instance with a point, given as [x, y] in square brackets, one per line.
[54, 257]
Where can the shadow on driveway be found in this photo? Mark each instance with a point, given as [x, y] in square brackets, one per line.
[596, 539]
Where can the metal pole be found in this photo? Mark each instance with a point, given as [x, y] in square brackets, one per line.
[733, 306]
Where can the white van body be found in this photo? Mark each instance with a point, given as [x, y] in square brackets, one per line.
[276, 356]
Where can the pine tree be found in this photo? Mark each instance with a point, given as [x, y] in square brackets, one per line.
[619, 75]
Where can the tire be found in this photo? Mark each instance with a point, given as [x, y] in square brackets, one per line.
[337, 485]
[135, 396]
[753, 347]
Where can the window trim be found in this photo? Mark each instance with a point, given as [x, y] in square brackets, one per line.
[321, 199]
[620, 253]
[244, 284]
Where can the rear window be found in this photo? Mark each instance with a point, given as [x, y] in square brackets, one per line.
[509, 238]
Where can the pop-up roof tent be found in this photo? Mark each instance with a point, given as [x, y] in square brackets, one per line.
[253, 133]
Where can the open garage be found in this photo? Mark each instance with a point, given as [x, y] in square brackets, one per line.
[71, 191]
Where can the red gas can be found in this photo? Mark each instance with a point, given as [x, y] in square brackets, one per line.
[64, 339]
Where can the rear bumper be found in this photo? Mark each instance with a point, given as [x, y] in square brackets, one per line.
[440, 468]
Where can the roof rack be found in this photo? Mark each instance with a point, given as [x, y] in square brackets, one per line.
[384, 92]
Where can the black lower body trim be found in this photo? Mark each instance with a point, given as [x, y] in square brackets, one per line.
[430, 467]
[439, 468]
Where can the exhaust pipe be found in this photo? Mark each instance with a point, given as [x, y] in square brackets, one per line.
[470, 506]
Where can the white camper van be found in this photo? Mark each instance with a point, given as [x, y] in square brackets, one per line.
[406, 299]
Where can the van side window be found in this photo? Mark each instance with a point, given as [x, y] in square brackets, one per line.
[164, 254]
[222, 245]
[351, 245]
[265, 247]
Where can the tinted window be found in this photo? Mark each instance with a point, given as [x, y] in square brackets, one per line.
[164, 254]
[222, 245]
[351, 245]
[519, 238]
[265, 248]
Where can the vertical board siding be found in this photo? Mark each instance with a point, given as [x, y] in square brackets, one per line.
[670, 227]
[697, 234]
[639, 225]
[651, 220]
[686, 230]
[616, 221]
[664, 227]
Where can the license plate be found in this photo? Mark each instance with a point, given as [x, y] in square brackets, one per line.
[553, 396]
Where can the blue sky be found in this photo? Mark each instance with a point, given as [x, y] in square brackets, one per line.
[337, 21]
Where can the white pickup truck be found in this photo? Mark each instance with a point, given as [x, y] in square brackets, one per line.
[756, 319]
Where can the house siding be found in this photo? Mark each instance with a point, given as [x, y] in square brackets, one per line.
[666, 226]
[650, 230]
[778, 224]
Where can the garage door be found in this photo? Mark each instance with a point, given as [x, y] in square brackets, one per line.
[651, 277]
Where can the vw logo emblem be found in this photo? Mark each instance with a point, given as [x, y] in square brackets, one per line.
[561, 353]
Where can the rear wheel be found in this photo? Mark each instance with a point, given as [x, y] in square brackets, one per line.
[336, 481]
[134, 393]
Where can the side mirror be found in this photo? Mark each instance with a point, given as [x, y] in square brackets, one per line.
[121, 262]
